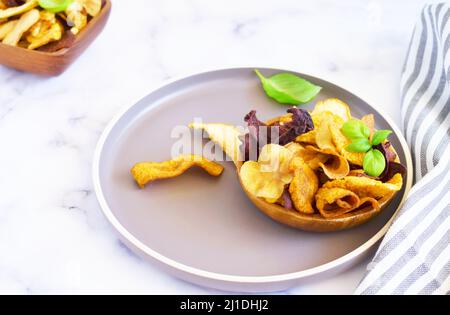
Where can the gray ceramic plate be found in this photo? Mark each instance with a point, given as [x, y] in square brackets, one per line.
[204, 229]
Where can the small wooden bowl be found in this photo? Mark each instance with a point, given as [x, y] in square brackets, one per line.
[314, 222]
[55, 63]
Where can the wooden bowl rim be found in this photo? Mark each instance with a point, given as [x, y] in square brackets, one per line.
[105, 10]
[361, 216]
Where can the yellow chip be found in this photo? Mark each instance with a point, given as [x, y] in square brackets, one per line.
[280, 119]
[24, 23]
[47, 30]
[267, 177]
[307, 138]
[93, 7]
[6, 28]
[76, 16]
[146, 172]
[324, 138]
[226, 136]
[369, 121]
[13, 11]
[334, 106]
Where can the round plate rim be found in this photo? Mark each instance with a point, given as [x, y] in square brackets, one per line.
[125, 234]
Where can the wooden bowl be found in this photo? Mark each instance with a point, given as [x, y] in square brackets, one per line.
[55, 63]
[314, 222]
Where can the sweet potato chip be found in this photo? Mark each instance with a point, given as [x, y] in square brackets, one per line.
[303, 186]
[367, 187]
[396, 181]
[226, 136]
[146, 172]
[25, 22]
[267, 177]
[335, 202]
[334, 165]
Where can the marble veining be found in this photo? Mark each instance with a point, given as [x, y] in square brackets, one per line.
[53, 237]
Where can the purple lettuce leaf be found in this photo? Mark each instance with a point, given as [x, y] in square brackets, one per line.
[300, 124]
[260, 134]
[287, 200]
[392, 167]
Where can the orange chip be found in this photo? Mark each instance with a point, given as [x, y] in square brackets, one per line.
[303, 186]
[146, 172]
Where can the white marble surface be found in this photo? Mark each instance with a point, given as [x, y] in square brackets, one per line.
[53, 238]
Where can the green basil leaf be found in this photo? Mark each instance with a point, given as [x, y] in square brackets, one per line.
[365, 130]
[287, 88]
[355, 129]
[55, 6]
[359, 145]
[374, 163]
[380, 136]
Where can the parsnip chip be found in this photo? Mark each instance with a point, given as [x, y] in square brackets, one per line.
[333, 106]
[13, 11]
[54, 33]
[92, 7]
[294, 147]
[303, 186]
[307, 138]
[47, 30]
[328, 136]
[334, 165]
[226, 136]
[146, 172]
[6, 28]
[369, 120]
[324, 138]
[24, 23]
[267, 177]
[286, 118]
[366, 187]
[335, 202]
[341, 142]
[76, 16]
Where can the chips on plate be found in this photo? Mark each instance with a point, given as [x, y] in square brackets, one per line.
[313, 174]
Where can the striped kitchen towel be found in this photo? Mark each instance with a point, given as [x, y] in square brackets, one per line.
[414, 257]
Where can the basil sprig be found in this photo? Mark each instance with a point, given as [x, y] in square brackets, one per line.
[55, 6]
[287, 88]
[355, 130]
